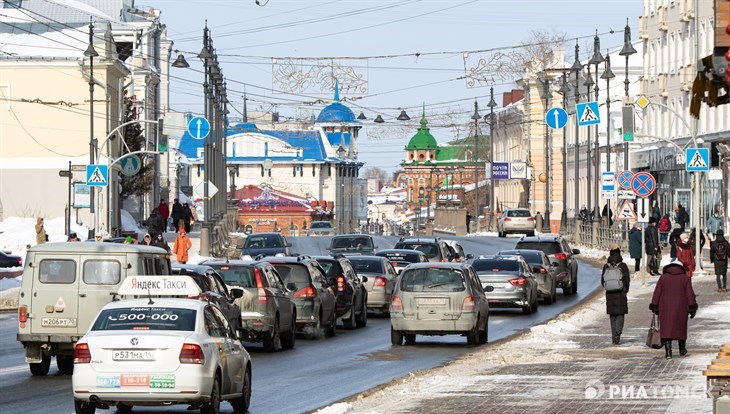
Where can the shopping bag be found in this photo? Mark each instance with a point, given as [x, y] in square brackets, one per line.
[653, 340]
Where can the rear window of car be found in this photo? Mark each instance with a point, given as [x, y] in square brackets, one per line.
[59, 271]
[321, 225]
[547, 247]
[102, 272]
[496, 266]
[401, 256]
[294, 276]
[432, 280]
[518, 213]
[145, 319]
[367, 265]
[352, 243]
[236, 275]
[530, 257]
[263, 242]
[329, 267]
[430, 250]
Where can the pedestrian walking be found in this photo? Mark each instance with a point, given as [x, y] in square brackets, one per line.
[72, 237]
[182, 247]
[607, 214]
[653, 249]
[719, 252]
[665, 226]
[656, 212]
[147, 240]
[682, 216]
[538, 221]
[187, 216]
[468, 222]
[693, 245]
[193, 215]
[714, 223]
[160, 242]
[674, 300]
[615, 280]
[155, 223]
[164, 210]
[583, 214]
[40, 231]
[673, 239]
[685, 255]
[177, 214]
[635, 246]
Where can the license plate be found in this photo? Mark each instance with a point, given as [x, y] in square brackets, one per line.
[432, 301]
[133, 355]
[58, 322]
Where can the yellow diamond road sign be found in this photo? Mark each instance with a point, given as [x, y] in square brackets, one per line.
[643, 102]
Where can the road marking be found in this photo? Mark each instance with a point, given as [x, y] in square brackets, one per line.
[13, 370]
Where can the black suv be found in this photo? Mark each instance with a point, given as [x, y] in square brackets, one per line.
[213, 290]
[353, 244]
[351, 295]
[435, 249]
[558, 250]
[268, 314]
[311, 293]
[266, 244]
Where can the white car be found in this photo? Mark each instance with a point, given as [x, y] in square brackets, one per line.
[160, 351]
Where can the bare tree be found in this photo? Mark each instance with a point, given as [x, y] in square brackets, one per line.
[375, 173]
[537, 52]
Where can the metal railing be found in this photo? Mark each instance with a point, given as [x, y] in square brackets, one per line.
[597, 235]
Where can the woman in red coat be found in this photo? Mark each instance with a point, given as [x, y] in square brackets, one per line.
[685, 255]
[673, 301]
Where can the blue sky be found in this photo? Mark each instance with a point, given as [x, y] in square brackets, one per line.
[406, 53]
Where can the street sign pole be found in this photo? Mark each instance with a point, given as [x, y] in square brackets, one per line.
[69, 174]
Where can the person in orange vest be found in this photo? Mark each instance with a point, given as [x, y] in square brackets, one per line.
[182, 246]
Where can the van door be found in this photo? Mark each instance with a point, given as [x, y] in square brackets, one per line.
[99, 278]
[54, 304]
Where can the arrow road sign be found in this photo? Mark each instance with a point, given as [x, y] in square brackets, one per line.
[97, 175]
[556, 118]
[626, 212]
[643, 210]
[588, 113]
[698, 159]
[643, 184]
[624, 179]
[199, 127]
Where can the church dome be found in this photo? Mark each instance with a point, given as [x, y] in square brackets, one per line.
[423, 140]
[336, 112]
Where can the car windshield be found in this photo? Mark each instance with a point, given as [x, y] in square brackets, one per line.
[496, 266]
[430, 250]
[321, 225]
[294, 276]
[145, 319]
[411, 257]
[432, 280]
[263, 242]
[367, 265]
[518, 213]
[241, 276]
[547, 247]
[352, 243]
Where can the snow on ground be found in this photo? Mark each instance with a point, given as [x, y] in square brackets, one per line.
[9, 298]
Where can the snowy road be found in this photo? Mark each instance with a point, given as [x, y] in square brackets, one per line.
[317, 372]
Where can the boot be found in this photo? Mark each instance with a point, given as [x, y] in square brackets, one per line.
[668, 349]
[683, 347]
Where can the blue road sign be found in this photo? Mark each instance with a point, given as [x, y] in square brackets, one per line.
[608, 182]
[697, 159]
[199, 127]
[624, 179]
[588, 113]
[97, 175]
[556, 118]
[500, 170]
[643, 184]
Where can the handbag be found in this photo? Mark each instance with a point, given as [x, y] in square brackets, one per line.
[653, 340]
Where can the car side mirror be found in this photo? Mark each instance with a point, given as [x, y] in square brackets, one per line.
[469, 256]
[364, 279]
[236, 293]
[576, 251]
[489, 288]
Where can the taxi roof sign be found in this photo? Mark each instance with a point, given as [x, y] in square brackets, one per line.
[168, 285]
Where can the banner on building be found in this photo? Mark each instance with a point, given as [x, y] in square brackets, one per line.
[500, 170]
[518, 170]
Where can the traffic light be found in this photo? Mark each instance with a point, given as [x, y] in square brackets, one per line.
[627, 122]
[161, 137]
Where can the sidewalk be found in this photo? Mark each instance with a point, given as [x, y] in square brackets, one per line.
[569, 365]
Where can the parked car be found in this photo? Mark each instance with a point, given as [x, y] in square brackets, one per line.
[458, 251]
[516, 220]
[434, 248]
[558, 250]
[400, 258]
[439, 299]
[268, 314]
[266, 244]
[8, 260]
[512, 281]
[545, 272]
[352, 244]
[214, 290]
[381, 279]
[351, 295]
[311, 293]
[321, 228]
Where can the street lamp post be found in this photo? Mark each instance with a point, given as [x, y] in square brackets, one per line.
[588, 83]
[91, 53]
[596, 59]
[564, 90]
[608, 75]
[492, 197]
[546, 95]
[476, 117]
[627, 51]
[577, 68]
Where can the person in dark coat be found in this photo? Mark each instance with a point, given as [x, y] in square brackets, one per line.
[468, 222]
[177, 214]
[187, 216]
[616, 302]
[682, 216]
[656, 212]
[653, 249]
[720, 265]
[164, 210]
[673, 239]
[673, 300]
[160, 242]
[635, 246]
[693, 244]
[607, 214]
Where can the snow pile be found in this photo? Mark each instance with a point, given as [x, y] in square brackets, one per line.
[130, 224]
[9, 298]
[339, 408]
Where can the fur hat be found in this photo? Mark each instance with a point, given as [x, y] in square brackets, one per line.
[614, 246]
[684, 237]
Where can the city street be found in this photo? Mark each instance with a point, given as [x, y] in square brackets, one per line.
[317, 372]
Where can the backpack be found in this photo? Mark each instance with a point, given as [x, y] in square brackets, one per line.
[613, 278]
[664, 225]
[721, 252]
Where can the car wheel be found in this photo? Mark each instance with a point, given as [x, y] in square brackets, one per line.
[484, 335]
[575, 285]
[241, 404]
[332, 327]
[472, 337]
[410, 339]
[84, 407]
[349, 323]
[271, 344]
[500, 234]
[527, 309]
[555, 293]
[288, 341]
[534, 305]
[65, 364]
[362, 320]
[39, 369]
[214, 405]
[548, 299]
[124, 408]
[396, 337]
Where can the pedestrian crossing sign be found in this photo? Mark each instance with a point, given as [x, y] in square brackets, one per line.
[97, 175]
[588, 113]
[697, 159]
[626, 212]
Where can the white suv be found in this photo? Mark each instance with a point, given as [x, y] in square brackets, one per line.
[516, 220]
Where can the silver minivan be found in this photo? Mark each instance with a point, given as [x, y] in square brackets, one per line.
[438, 299]
[64, 287]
